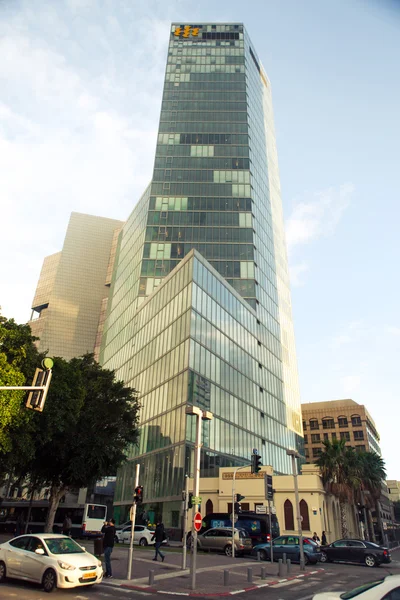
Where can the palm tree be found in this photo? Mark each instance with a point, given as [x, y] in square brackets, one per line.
[373, 475]
[340, 474]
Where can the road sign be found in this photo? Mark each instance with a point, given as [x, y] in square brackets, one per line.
[269, 492]
[197, 521]
[196, 500]
[261, 510]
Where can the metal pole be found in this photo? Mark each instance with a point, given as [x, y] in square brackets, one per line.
[298, 516]
[270, 532]
[196, 491]
[185, 516]
[133, 519]
[233, 506]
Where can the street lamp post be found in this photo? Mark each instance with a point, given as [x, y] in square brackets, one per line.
[294, 454]
[201, 415]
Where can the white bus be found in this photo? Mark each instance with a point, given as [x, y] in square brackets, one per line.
[87, 519]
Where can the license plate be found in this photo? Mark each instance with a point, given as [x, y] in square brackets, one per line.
[88, 575]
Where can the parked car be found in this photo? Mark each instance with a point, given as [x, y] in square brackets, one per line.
[143, 535]
[357, 551]
[289, 545]
[387, 588]
[50, 559]
[219, 539]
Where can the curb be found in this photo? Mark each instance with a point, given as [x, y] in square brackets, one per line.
[151, 590]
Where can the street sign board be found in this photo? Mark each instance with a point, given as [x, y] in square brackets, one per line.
[269, 492]
[261, 510]
[197, 521]
[196, 500]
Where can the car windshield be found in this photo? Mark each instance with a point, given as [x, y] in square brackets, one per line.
[359, 590]
[63, 546]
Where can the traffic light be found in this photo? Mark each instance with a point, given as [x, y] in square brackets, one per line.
[138, 495]
[190, 500]
[237, 509]
[255, 463]
[239, 497]
[42, 378]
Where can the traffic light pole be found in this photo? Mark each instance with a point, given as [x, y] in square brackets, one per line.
[233, 506]
[185, 516]
[133, 519]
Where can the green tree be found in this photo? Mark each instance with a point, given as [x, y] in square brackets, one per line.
[18, 359]
[372, 475]
[84, 431]
[340, 474]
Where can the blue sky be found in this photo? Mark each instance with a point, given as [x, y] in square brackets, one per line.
[81, 84]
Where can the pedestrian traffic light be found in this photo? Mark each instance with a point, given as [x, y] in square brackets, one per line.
[138, 496]
[237, 509]
[190, 500]
[41, 379]
[239, 497]
[255, 463]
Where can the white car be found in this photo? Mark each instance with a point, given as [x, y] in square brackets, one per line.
[50, 559]
[143, 535]
[387, 589]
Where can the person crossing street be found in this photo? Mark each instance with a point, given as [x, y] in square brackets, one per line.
[108, 530]
[159, 536]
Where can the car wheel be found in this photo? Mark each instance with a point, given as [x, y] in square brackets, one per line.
[49, 581]
[263, 555]
[228, 550]
[3, 572]
[370, 560]
[143, 542]
[324, 557]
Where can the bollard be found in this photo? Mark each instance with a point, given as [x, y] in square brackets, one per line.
[250, 574]
[284, 558]
[262, 572]
[288, 566]
[151, 577]
[280, 568]
[258, 555]
[226, 577]
[302, 565]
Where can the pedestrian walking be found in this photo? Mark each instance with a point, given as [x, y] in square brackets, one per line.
[20, 528]
[324, 541]
[67, 525]
[159, 536]
[108, 530]
[316, 538]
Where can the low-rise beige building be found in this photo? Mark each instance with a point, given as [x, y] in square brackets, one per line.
[394, 490]
[338, 419]
[319, 510]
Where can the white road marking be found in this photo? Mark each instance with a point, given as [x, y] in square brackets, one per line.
[283, 583]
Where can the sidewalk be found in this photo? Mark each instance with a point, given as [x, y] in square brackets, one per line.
[169, 578]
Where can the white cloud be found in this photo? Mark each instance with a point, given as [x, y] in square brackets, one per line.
[317, 217]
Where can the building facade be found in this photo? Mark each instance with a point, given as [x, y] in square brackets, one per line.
[393, 489]
[199, 310]
[338, 419]
[72, 288]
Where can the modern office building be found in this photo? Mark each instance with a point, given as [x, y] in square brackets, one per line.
[338, 419]
[199, 310]
[73, 288]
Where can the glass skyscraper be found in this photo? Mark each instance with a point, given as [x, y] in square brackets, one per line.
[200, 310]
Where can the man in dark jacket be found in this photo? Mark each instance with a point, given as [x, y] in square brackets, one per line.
[159, 536]
[108, 530]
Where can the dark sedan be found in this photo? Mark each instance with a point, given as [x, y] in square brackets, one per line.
[355, 551]
[289, 545]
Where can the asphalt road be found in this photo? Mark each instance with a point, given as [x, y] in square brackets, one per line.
[334, 577]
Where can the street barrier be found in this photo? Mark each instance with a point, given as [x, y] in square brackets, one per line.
[262, 572]
[151, 577]
[226, 577]
[280, 568]
[250, 574]
[288, 566]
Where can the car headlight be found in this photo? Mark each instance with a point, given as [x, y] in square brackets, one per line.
[66, 566]
[99, 563]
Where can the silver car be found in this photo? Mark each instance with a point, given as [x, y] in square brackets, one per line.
[219, 539]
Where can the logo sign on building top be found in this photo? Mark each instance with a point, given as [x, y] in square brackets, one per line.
[186, 31]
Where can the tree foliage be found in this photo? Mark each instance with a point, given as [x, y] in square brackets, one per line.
[347, 474]
[18, 359]
[88, 421]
